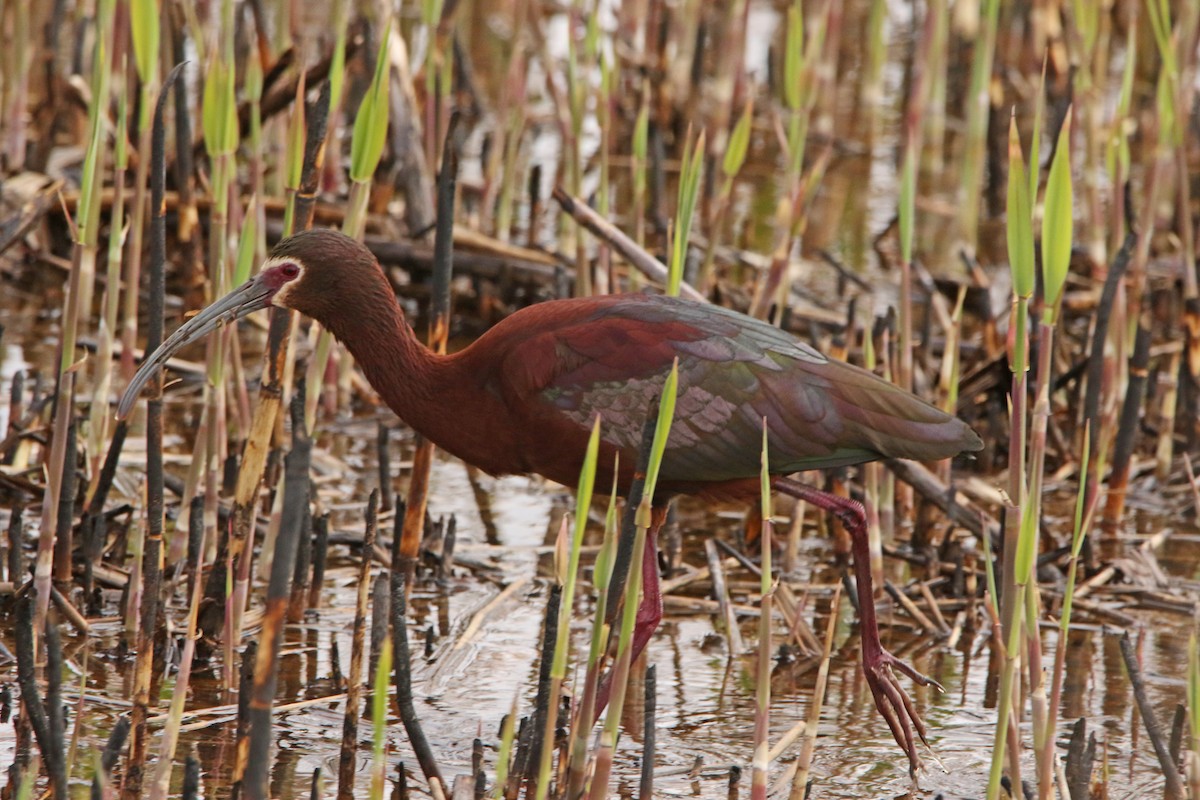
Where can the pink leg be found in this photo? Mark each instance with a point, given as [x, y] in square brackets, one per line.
[649, 613]
[878, 664]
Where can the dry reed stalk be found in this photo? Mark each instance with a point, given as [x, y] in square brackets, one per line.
[443, 267]
[266, 668]
[353, 710]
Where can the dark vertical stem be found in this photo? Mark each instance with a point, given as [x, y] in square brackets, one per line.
[233, 538]
[317, 117]
[402, 674]
[735, 777]
[446, 565]
[477, 767]
[65, 520]
[54, 711]
[624, 554]
[354, 683]
[516, 774]
[1174, 788]
[380, 614]
[299, 594]
[400, 788]
[1095, 367]
[443, 240]
[535, 203]
[114, 745]
[1131, 410]
[195, 536]
[245, 687]
[541, 706]
[646, 790]
[152, 552]
[439, 321]
[191, 778]
[16, 558]
[16, 393]
[188, 230]
[320, 553]
[35, 712]
[108, 470]
[383, 458]
[266, 667]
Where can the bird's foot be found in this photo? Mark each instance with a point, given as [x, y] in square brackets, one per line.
[893, 702]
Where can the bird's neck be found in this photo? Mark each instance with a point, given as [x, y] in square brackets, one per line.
[433, 393]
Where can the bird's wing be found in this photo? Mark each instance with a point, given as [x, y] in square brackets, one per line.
[734, 371]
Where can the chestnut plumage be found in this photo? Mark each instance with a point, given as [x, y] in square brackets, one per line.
[522, 398]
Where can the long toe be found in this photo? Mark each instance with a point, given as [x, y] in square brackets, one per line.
[896, 707]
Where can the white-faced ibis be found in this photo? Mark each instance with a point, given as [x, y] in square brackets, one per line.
[521, 399]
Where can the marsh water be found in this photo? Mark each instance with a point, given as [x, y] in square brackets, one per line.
[506, 529]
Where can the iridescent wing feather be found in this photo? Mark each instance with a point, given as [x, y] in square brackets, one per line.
[734, 372]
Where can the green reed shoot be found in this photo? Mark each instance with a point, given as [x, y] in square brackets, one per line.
[907, 214]
[762, 709]
[1022, 265]
[801, 57]
[144, 17]
[577, 93]
[100, 416]
[568, 578]
[633, 589]
[379, 712]
[978, 104]
[1056, 250]
[1079, 533]
[601, 574]
[731, 165]
[293, 167]
[504, 754]
[431, 15]
[1057, 225]
[77, 303]
[366, 148]
[641, 135]
[512, 98]
[1117, 155]
[17, 70]
[1057, 235]
[690, 177]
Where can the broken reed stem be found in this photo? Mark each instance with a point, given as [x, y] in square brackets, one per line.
[585, 716]
[63, 409]
[346, 761]
[41, 717]
[266, 668]
[439, 331]
[646, 785]
[1174, 784]
[64, 534]
[1131, 410]
[804, 761]
[640, 503]
[762, 711]
[233, 538]
[541, 743]
[402, 671]
[159, 789]
[643, 261]
[144, 668]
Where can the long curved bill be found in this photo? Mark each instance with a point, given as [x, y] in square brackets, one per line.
[243, 301]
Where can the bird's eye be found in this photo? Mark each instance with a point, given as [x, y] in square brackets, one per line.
[289, 270]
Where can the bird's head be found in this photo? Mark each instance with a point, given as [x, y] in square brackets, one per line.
[319, 273]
